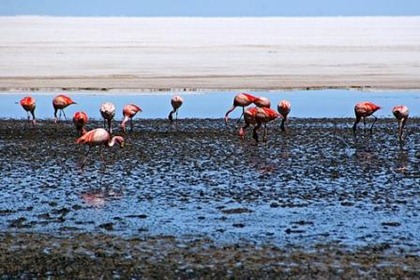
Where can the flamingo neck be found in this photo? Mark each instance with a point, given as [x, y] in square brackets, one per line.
[112, 142]
[230, 110]
[115, 139]
[125, 120]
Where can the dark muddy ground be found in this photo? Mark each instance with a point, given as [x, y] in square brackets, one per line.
[200, 202]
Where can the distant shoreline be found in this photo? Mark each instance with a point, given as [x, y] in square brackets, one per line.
[47, 53]
[192, 90]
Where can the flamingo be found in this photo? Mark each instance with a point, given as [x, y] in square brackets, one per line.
[284, 108]
[401, 113]
[98, 137]
[258, 116]
[108, 113]
[363, 110]
[59, 103]
[80, 119]
[129, 111]
[176, 102]
[28, 104]
[241, 100]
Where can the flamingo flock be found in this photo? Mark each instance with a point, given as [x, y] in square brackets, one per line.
[258, 116]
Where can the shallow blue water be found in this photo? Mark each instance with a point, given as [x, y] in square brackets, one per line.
[305, 104]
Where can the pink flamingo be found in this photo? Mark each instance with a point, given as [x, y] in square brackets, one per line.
[246, 99]
[284, 108]
[176, 102]
[59, 103]
[108, 113]
[28, 104]
[258, 116]
[129, 111]
[240, 100]
[98, 137]
[80, 119]
[363, 110]
[401, 113]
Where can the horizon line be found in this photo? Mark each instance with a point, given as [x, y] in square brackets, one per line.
[185, 16]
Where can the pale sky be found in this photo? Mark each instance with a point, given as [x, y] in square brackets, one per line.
[207, 8]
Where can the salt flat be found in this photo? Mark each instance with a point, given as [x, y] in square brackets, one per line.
[209, 53]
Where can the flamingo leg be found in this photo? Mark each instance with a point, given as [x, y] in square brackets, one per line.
[358, 118]
[55, 115]
[86, 155]
[374, 121]
[240, 117]
[65, 118]
[254, 132]
[401, 128]
[102, 155]
[110, 125]
[242, 130]
[131, 124]
[282, 127]
[33, 117]
[364, 124]
[265, 133]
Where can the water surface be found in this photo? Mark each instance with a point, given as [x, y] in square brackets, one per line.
[305, 104]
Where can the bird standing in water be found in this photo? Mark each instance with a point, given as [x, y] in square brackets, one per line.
[176, 102]
[284, 108]
[129, 111]
[258, 116]
[80, 119]
[28, 104]
[401, 113]
[363, 110]
[107, 111]
[59, 103]
[98, 137]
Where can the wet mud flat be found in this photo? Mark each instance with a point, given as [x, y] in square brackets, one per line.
[93, 256]
[198, 202]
